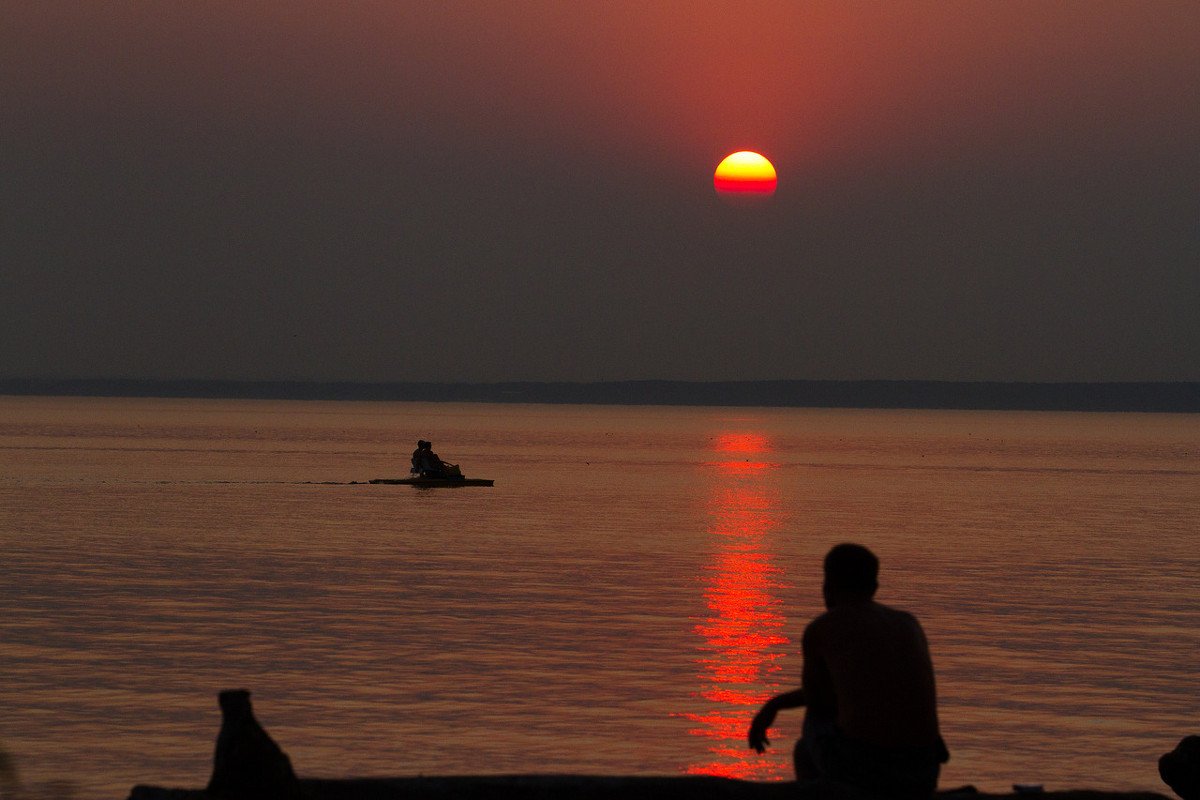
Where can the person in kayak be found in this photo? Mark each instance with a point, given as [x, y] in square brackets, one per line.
[868, 684]
[426, 462]
[418, 456]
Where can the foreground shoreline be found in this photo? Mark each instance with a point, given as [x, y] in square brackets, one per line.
[594, 787]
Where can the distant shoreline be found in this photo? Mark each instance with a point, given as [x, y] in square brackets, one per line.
[937, 395]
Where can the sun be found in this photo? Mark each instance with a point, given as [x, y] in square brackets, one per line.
[745, 178]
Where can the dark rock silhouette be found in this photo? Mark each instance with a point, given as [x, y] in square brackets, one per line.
[596, 787]
[248, 764]
[1180, 768]
[10, 784]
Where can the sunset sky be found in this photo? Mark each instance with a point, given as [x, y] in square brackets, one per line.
[497, 190]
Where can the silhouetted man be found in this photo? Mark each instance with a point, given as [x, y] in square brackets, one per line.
[432, 466]
[868, 683]
[418, 455]
[426, 463]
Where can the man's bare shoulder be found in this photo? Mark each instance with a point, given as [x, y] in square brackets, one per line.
[853, 616]
[831, 626]
[824, 622]
[903, 618]
[897, 613]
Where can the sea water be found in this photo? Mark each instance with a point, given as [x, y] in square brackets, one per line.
[620, 602]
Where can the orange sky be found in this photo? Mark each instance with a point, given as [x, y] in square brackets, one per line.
[806, 81]
[927, 119]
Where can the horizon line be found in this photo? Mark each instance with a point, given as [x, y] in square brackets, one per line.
[1121, 396]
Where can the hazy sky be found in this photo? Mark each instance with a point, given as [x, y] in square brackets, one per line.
[522, 190]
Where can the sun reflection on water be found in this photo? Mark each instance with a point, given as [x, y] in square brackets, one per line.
[741, 639]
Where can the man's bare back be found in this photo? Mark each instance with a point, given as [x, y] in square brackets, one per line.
[867, 666]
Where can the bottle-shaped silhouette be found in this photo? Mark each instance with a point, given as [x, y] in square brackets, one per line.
[247, 764]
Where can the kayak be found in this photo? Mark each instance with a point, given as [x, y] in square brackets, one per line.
[431, 482]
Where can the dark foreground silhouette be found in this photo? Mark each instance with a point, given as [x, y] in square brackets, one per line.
[1180, 768]
[868, 685]
[248, 763]
[585, 787]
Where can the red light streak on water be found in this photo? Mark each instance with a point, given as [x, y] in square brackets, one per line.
[748, 443]
[741, 638]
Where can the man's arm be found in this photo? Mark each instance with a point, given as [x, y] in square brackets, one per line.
[815, 675]
[766, 717]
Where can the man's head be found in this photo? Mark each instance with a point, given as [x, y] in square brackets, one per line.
[851, 573]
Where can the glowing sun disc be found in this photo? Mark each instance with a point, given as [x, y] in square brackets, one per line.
[745, 178]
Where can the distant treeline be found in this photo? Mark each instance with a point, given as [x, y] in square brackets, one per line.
[1157, 397]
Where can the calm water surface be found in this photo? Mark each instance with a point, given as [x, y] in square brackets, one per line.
[622, 600]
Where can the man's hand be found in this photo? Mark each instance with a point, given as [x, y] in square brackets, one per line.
[758, 728]
[765, 717]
